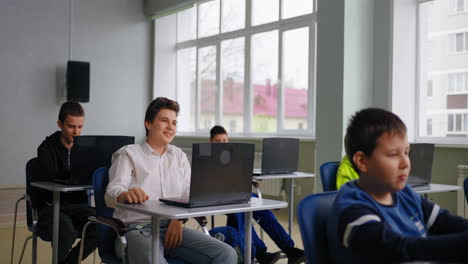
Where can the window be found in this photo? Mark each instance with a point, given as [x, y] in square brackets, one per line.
[458, 42]
[457, 83]
[253, 75]
[429, 126]
[442, 77]
[457, 6]
[429, 88]
[457, 123]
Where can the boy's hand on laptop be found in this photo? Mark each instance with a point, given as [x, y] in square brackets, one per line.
[173, 237]
[135, 195]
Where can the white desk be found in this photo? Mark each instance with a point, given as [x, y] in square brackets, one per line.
[291, 176]
[437, 188]
[159, 211]
[56, 189]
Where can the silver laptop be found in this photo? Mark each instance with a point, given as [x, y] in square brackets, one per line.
[221, 174]
[279, 156]
[421, 156]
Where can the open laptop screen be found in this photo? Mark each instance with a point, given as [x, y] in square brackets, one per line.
[92, 152]
[421, 156]
[280, 155]
[221, 174]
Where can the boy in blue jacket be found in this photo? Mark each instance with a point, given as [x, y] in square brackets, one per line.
[378, 218]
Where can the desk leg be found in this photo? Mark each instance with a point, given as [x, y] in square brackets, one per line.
[291, 206]
[248, 238]
[155, 221]
[55, 230]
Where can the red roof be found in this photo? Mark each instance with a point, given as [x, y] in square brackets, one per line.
[265, 99]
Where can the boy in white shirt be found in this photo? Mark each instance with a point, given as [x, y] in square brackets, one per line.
[153, 170]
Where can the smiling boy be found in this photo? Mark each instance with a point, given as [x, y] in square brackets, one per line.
[378, 218]
[152, 170]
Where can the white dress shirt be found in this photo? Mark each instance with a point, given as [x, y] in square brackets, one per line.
[160, 176]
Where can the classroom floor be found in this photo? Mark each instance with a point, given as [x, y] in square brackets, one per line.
[8, 198]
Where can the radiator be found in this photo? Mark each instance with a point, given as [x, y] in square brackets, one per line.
[462, 207]
[268, 187]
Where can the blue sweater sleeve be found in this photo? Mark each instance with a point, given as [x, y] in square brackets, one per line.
[442, 221]
[363, 230]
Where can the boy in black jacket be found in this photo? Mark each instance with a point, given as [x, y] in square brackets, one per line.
[54, 158]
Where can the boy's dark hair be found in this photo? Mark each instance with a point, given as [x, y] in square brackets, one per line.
[216, 130]
[156, 105]
[365, 128]
[70, 108]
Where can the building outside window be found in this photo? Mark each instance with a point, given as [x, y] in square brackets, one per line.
[442, 70]
[247, 67]
[457, 6]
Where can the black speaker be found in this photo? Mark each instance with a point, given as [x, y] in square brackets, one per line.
[78, 81]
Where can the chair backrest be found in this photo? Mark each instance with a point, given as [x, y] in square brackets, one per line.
[465, 188]
[312, 213]
[328, 175]
[105, 234]
[32, 170]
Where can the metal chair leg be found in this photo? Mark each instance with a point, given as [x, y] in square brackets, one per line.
[14, 230]
[82, 241]
[24, 247]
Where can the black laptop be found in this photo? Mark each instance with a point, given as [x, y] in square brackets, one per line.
[421, 156]
[279, 156]
[89, 153]
[221, 174]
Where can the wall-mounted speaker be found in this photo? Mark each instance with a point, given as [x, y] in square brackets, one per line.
[78, 81]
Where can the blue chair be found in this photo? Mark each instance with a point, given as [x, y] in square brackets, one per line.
[108, 227]
[328, 175]
[312, 214]
[465, 188]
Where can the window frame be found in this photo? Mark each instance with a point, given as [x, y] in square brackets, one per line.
[282, 25]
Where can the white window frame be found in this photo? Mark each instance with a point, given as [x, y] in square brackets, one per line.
[282, 25]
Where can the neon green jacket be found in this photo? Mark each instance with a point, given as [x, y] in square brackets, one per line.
[345, 173]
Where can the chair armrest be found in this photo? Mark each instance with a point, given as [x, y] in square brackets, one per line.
[201, 220]
[255, 183]
[116, 224]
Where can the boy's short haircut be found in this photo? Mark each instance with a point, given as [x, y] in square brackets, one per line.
[216, 130]
[70, 109]
[365, 128]
[156, 105]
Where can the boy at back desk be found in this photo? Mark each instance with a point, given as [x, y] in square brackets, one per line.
[378, 218]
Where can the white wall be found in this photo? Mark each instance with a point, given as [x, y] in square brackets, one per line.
[113, 35]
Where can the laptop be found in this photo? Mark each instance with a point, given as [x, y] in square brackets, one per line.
[421, 156]
[221, 174]
[280, 156]
[89, 153]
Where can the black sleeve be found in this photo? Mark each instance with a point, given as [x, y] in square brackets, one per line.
[49, 161]
[442, 221]
[376, 240]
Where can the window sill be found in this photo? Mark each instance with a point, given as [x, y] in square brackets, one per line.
[236, 137]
